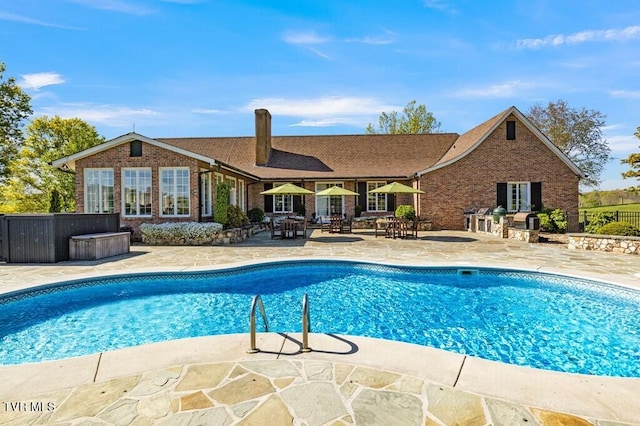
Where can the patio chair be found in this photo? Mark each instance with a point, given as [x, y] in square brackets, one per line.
[346, 224]
[276, 231]
[301, 228]
[412, 230]
[335, 225]
[325, 225]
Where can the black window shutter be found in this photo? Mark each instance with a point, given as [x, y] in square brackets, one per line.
[268, 199]
[391, 202]
[135, 149]
[501, 194]
[362, 198]
[536, 196]
[297, 202]
[511, 130]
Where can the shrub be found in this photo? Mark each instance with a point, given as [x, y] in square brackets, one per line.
[598, 221]
[619, 228]
[406, 211]
[300, 209]
[236, 217]
[222, 202]
[553, 220]
[358, 210]
[255, 215]
[181, 233]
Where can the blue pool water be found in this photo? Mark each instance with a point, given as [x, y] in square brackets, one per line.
[543, 321]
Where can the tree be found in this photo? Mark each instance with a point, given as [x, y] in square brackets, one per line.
[578, 133]
[633, 160]
[34, 182]
[414, 119]
[14, 109]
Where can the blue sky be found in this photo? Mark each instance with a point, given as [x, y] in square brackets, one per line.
[200, 67]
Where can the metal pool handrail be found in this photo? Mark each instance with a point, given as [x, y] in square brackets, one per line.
[305, 324]
[257, 301]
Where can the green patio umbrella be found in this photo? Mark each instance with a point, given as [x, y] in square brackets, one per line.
[287, 189]
[335, 190]
[396, 188]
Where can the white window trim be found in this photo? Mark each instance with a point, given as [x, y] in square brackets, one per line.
[122, 188]
[386, 200]
[233, 192]
[86, 192]
[329, 185]
[207, 195]
[275, 185]
[175, 207]
[528, 206]
[242, 202]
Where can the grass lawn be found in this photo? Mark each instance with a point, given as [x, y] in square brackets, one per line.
[619, 207]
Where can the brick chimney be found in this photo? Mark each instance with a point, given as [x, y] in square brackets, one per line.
[263, 136]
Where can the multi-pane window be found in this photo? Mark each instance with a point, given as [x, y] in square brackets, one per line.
[205, 194]
[241, 198]
[136, 192]
[376, 202]
[231, 182]
[174, 191]
[331, 205]
[98, 191]
[282, 203]
[518, 196]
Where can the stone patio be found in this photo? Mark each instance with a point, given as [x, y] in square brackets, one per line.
[213, 381]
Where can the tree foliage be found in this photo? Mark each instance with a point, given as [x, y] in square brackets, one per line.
[578, 133]
[414, 119]
[34, 185]
[634, 162]
[14, 109]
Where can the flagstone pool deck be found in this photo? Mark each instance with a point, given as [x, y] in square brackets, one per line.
[344, 380]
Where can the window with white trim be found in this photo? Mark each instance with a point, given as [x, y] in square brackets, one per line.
[376, 202]
[241, 198]
[174, 191]
[518, 196]
[331, 205]
[282, 203]
[136, 192]
[233, 193]
[206, 194]
[98, 191]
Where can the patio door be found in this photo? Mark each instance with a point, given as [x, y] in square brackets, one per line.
[331, 205]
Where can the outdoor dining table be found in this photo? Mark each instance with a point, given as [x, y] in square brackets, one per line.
[393, 227]
[288, 228]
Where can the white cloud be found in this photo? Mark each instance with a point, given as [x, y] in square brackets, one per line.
[27, 20]
[308, 37]
[322, 106]
[40, 79]
[374, 40]
[442, 5]
[121, 6]
[630, 94]
[623, 144]
[325, 111]
[502, 90]
[628, 33]
[208, 111]
[110, 115]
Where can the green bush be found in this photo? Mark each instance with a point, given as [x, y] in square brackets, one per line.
[619, 228]
[553, 220]
[236, 217]
[222, 202]
[301, 210]
[255, 215]
[358, 210]
[406, 211]
[598, 221]
[180, 233]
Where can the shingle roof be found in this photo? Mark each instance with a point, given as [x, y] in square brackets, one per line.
[333, 156]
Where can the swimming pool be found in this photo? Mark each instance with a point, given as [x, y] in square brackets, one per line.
[523, 318]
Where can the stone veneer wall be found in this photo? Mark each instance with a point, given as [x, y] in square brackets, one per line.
[610, 243]
[526, 235]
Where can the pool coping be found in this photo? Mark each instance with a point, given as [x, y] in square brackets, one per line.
[610, 398]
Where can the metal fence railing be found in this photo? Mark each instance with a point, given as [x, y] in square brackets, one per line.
[584, 217]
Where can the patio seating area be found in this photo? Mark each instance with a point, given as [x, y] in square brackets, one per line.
[473, 391]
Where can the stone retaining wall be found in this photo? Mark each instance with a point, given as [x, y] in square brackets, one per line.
[610, 243]
[526, 235]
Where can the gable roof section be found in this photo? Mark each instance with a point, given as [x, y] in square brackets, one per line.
[327, 156]
[470, 140]
[70, 160]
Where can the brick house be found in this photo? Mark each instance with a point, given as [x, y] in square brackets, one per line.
[504, 161]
